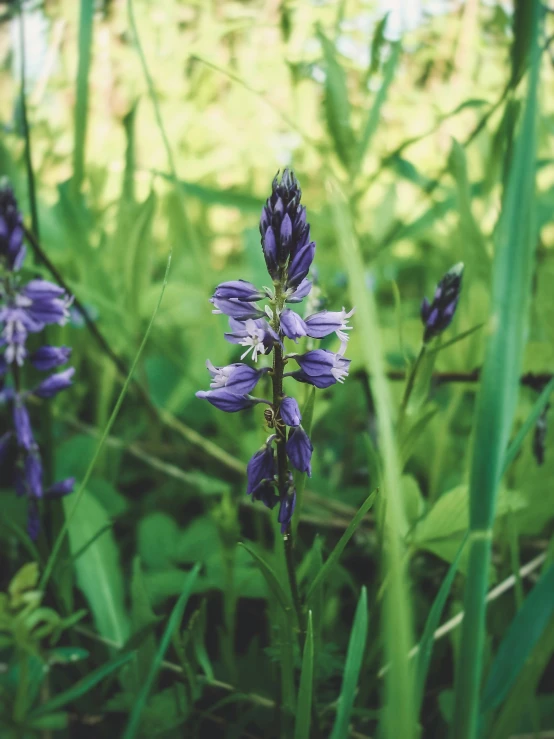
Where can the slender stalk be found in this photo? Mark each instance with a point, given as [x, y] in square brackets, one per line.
[279, 362]
[410, 384]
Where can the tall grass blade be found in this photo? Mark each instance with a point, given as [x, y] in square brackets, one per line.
[76, 497]
[498, 394]
[354, 657]
[172, 624]
[86, 22]
[304, 705]
[524, 633]
[428, 637]
[334, 557]
[397, 618]
[270, 577]
[82, 686]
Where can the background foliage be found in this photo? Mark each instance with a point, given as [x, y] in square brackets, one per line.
[158, 128]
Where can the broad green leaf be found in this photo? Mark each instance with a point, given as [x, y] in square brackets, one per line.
[304, 705]
[354, 657]
[341, 544]
[523, 634]
[98, 568]
[173, 623]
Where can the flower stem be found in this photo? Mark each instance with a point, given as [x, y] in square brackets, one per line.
[410, 385]
[282, 464]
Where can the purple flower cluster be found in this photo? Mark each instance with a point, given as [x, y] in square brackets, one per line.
[26, 309]
[288, 252]
[438, 315]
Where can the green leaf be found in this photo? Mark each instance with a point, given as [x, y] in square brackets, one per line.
[52, 722]
[84, 46]
[337, 105]
[374, 115]
[271, 578]
[530, 422]
[82, 686]
[172, 624]
[427, 640]
[354, 657]
[341, 544]
[98, 569]
[523, 634]
[304, 705]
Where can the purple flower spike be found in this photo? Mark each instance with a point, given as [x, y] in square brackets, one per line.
[299, 450]
[290, 412]
[55, 384]
[260, 467]
[49, 357]
[22, 423]
[228, 401]
[286, 510]
[61, 489]
[238, 378]
[238, 290]
[438, 315]
[12, 251]
[292, 325]
[327, 322]
[237, 309]
[300, 265]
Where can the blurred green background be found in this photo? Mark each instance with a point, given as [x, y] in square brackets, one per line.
[165, 137]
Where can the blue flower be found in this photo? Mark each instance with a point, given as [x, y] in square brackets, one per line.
[54, 384]
[227, 401]
[286, 509]
[297, 294]
[240, 310]
[323, 363]
[238, 378]
[49, 357]
[327, 322]
[22, 424]
[300, 265]
[256, 335]
[290, 412]
[292, 325]
[238, 290]
[299, 450]
[438, 315]
[261, 467]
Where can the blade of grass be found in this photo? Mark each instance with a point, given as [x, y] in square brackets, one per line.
[498, 394]
[373, 117]
[80, 491]
[270, 577]
[86, 23]
[190, 233]
[524, 633]
[353, 664]
[428, 637]
[83, 686]
[304, 705]
[397, 619]
[334, 557]
[530, 422]
[173, 623]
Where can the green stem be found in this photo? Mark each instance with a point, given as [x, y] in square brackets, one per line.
[282, 464]
[410, 384]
